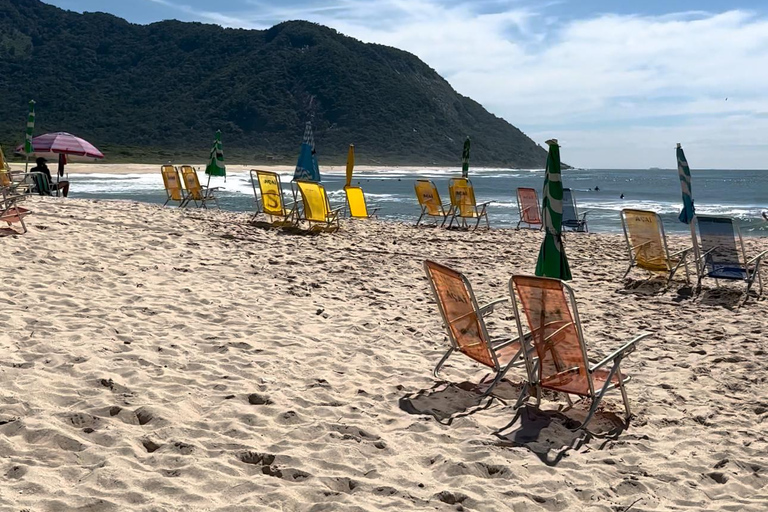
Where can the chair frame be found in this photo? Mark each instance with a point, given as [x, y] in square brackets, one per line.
[332, 222]
[481, 312]
[373, 210]
[632, 250]
[749, 278]
[206, 193]
[424, 209]
[290, 218]
[616, 357]
[581, 223]
[10, 211]
[521, 211]
[479, 210]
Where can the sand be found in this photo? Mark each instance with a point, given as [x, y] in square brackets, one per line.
[165, 360]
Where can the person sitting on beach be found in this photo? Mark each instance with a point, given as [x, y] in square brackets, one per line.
[42, 168]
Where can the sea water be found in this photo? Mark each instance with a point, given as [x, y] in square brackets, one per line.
[733, 193]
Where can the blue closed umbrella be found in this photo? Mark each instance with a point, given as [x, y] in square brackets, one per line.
[306, 167]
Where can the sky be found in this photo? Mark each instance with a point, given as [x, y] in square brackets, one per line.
[618, 83]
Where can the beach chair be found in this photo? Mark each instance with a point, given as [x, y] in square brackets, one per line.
[558, 343]
[529, 208]
[571, 218]
[270, 199]
[647, 245]
[356, 204]
[195, 191]
[463, 320]
[463, 204]
[10, 211]
[722, 254]
[172, 184]
[316, 208]
[429, 201]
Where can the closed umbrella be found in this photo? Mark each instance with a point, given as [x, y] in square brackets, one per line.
[28, 134]
[552, 261]
[216, 165]
[350, 164]
[465, 160]
[688, 213]
[306, 167]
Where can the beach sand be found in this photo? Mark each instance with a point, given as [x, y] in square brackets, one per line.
[165, 360]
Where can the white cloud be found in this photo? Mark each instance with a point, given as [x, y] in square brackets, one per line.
[617, 90]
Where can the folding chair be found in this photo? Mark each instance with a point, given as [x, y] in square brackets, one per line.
[429, 201]
[463, 320]
[463, 204]
[172, 184]
[558, 342]
[316, 208]
[571, 218]
[647, 244]
[529, 208]
[195, 191]
[10, 211]
[356, 203]
[270, 195]
[722, 254]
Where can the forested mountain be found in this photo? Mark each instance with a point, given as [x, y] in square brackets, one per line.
[159, 91]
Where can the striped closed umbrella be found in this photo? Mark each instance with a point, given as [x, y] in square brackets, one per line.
[28, 149]
[552, 260]
[216, 166]
[465, 159]
[350, 164]
[688, 212]
[306, 166]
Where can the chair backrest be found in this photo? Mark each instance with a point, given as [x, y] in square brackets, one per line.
[356, 202]
[5, 178]
[459, 309]
[42, 185]
[172, 182]
[719, 237]
[528, 204]
[3, 163]
[462, 196]
[555, 332]
[429, 198]
[646, 242]
[315, 201]
[191, 182]
[271, 189]
[570, 212]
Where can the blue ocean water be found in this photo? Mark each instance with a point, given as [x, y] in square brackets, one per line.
[736, 193]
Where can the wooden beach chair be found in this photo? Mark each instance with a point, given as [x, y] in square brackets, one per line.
[463, 320]
[357, 205]
[172, 184]
[429, 201]
[529, 208]
[558, 342]
[270, 199]
[572, 219]
[647, 245]
[195, 191]
[722, 254]
[463, 204]
[316, 209]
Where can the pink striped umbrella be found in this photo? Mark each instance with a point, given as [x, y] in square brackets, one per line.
[51, 145]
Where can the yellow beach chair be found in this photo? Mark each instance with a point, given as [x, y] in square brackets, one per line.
[172, 184]
[270, 199]
[463, 204]
[429, 200]
[316, 209]
[357, 205]
[647, 244]
[195, 191]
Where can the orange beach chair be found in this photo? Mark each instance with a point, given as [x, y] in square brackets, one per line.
[529, 208]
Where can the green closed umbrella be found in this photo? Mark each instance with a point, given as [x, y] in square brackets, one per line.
[465, 159]
[216, 165]
[552, 261]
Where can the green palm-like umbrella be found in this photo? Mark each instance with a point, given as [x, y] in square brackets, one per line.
[216, 165]
[552, 260]
[465, 159]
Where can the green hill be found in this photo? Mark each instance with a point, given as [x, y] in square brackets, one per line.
[159, 91]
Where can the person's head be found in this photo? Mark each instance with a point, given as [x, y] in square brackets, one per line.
[41, 161]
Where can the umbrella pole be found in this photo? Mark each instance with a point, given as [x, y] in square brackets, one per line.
[26, 166]
[695, 245]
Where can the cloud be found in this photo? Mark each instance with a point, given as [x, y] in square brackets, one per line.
[617, 90]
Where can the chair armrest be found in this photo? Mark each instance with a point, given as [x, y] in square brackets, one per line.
[683, 252]
[484, 204]
[757, 258]
[622, 352]
[488, 308]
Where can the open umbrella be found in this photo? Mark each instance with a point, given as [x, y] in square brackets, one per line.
[350, 164]
[216, 165]
[465, 159]
[306, 167]
[552, 261]
[51, 145]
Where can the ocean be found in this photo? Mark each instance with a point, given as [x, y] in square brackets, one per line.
[735, 193]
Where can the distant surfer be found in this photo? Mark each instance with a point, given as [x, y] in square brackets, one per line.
[597, 189]
[765, 215]
[621, 196]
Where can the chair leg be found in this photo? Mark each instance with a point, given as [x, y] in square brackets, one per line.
[624, 396]
[627, 272]
[442, 361]
[597, 398]
[524, 395]
[420, 217]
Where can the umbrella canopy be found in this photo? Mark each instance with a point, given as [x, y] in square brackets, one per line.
[552, 261]
[350, 164]
[306, 167]
[465, 159]
[216, 165]
[51, 145]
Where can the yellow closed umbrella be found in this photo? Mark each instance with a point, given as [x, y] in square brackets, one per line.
[350, 164]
